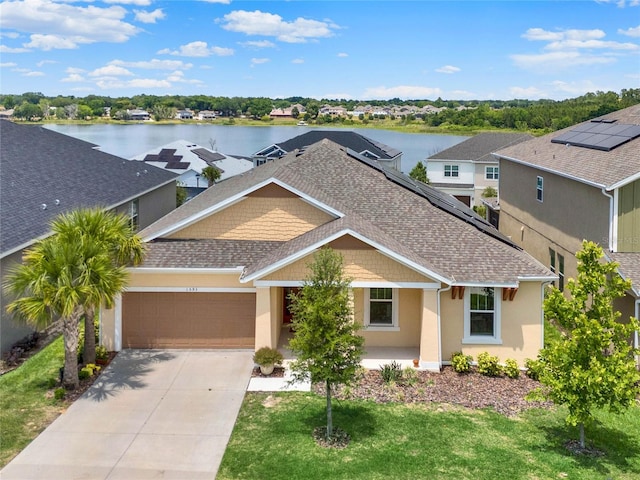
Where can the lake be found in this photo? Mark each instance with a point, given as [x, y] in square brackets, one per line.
[129, 140]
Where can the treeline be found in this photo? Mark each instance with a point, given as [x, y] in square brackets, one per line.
[532, 115]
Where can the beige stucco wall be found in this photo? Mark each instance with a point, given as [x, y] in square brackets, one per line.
[359, 265]
[520, 319]
[409, 312]
[258, 218]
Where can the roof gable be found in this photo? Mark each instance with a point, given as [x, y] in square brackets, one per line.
[480, 147]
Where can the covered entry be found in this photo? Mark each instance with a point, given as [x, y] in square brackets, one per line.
[188, 320]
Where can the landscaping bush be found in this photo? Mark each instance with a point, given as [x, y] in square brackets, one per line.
[268, 356]
[460, 362]
[409, 376]
[391, 372]
[511, 368]
[488, 365]
[534, 368]
[84, 374]
[59, 393]
[101, 352]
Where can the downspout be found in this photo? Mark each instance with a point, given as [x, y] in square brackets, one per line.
[611, 207]
[440, 290]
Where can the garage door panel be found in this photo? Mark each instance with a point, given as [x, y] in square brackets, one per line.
[188, 320]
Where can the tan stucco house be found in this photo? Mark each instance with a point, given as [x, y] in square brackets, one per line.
[427, 274]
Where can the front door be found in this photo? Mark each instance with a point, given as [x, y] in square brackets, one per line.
[286, 314]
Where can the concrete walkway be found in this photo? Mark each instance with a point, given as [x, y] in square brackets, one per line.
[152, 414]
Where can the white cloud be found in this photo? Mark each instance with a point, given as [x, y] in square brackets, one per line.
[259, 61]
[572, 34]
[576, 88]
[297, 60]
[554, 61]
[299, 30]
[149, 17]
[527, 93]
[401, 91]
[73, 78]
[225, 2]
[178, 76]
[64, 25]
[9, 34]
[463, 95]
[44, 62]
[139, 3]
[343, 55]
[154, 64]
[8, 64]
[75, 70]
[448, 69]
[590, 44]
[5, 49]
[34, 74]
[110, 71]
[630, 32]
[197, 49]
[114, 83]
[258, 44]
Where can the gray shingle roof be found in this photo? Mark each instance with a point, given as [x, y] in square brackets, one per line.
[376, 208]
[480, 147]
[42, 167]
[604, 169]
[629, 267]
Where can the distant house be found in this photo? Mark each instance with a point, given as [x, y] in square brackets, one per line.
[372, 149]
[137, 114]
[206, 115]
[582, 182]
[184, 114]
[467, 168]
[187, 160]
[287, 112]
[333, 111]
[45, 173]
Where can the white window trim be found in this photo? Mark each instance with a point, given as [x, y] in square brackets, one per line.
[494, 170]
[451, 170]
[496, 339]
[395, 300]
[540, 188]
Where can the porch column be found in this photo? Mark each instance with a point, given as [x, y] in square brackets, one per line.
[430, 331]
[263, 318]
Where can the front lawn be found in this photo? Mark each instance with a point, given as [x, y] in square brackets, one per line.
[272, 439]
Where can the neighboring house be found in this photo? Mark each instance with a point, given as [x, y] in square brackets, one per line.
[333, 111]
[184, 114]
[45, 173]
[427, 274]
[287, 112]
[467, 168]
[582, 182]
[206, 115]
[372, 149]
[138, 114]
[187, 159]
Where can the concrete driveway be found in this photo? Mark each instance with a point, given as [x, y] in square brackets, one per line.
[152, 414]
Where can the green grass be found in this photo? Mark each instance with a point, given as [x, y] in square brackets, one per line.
[25, 407]
[272, 439]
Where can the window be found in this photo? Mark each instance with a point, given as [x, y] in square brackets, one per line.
[381, 308]
[539, 188]
[552, 262]
[482, 315]
[561, 272]
[492, 173]
[451, 170]
[133, 214]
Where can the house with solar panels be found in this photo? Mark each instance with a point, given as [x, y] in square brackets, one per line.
[428, 276]
[582, 182]
[372, 149]
[187, 159]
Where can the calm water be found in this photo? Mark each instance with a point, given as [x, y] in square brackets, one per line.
[130, 140]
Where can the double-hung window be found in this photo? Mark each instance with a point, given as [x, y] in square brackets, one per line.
[451, 170]
[482, 315]
[133, 214]
[381, 308]
[492, 173]
[539, 188]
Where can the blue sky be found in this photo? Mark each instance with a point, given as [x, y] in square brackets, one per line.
[322, 49]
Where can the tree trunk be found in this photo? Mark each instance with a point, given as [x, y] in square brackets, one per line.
[89, 350]
[70, 335]
[581, 426]
[329, 413]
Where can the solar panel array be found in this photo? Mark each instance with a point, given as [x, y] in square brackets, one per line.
[438, 199]
[599, 135]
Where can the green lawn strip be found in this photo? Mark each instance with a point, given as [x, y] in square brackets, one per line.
[272, 439]
[25, 407]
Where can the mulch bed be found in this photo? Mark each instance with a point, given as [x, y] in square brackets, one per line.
[278, 372]
[471, 390]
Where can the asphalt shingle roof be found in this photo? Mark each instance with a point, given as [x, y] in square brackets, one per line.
[376, 208]
[629, 267]
[42, 167]
[480, 147]
[596, 167]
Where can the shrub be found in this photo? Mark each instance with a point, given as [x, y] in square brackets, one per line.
[534, 368]
[488, 365]
[409, 376]
[59, 393]
[84, 374]
[460, 362]
[391, 372]
[101, 352]
[268, 356]
[511, 368]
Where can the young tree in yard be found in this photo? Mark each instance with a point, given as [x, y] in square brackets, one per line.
[326, 341]
[97, 230]
[54, 282]
[419, 172]
[592, 366]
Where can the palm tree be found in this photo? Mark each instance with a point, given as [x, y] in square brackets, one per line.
[95, 229]
[212, 174]
[54, 281]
